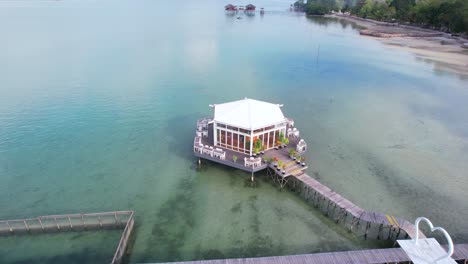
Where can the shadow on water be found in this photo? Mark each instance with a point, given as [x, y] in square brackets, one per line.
[327, 21]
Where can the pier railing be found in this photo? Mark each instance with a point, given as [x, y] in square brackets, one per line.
[120, 251]
[74, 222]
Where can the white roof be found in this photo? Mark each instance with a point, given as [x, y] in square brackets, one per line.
[248, 114]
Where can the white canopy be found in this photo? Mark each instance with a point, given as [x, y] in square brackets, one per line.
[248, 114]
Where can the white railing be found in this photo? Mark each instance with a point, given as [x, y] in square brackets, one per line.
[252, 162]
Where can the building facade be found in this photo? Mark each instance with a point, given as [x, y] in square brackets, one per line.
[248, 126]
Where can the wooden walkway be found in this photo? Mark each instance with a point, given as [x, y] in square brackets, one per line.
[72, 223]
[388, 255]
[346, 207]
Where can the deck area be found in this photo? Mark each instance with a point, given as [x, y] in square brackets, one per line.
[388, 255]
[239, 164]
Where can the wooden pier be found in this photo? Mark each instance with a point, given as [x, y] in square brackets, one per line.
[388, 255]
[344, 211]
[74, 223]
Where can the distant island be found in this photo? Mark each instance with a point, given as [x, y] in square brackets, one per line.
[444, 15]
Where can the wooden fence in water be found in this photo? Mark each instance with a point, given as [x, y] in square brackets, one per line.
[75, 222]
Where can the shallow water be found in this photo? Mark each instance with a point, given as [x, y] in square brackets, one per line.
[98, 104]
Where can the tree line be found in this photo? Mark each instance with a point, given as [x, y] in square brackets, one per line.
[445, 15]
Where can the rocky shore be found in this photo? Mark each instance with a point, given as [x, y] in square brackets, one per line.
[445, 51]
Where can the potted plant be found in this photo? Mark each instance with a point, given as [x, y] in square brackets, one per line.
[263, 149]
[292, 153]
[298, 159]
[303, 161]
[285, 141]
[234, 158]
[280, 165]
[275, 162]
[278, 144]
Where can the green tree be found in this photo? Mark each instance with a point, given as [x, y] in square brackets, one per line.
[403, 8]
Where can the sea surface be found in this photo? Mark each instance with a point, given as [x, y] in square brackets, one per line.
[98, 105]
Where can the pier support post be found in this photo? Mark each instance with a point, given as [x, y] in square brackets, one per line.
[199, 163]
[26, 225]
[398, 234]
[380, 232]
[252, 177]
[56, 223]
[367, 230]
[9, 227]
[40, 222]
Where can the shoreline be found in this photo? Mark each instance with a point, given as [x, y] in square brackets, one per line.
[441, 49]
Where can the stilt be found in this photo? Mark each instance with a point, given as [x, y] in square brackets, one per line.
[380, 232]
[352, 224]
[252, 177]
[333, 212]
[367, 230]
[9, 227]
[328, 205]
[199, 163]
[398, 234]
[390, 232]
[57, 224]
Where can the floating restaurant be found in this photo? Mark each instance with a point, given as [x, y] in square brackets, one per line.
[250, 7]
[251, 135]
[230, 7]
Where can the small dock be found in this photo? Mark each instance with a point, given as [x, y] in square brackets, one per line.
[74, 223]
[388, 255]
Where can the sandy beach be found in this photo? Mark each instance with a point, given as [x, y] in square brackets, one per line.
[443, 50]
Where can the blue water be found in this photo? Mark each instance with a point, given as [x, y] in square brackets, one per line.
[98, 102]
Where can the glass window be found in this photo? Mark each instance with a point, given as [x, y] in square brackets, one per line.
[241, 142]
[265, 141]
[223, 137]
[235, 140]
[277, 137]
[229, 139]
[271, 142]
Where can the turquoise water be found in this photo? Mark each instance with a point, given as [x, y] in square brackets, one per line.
[98, 104]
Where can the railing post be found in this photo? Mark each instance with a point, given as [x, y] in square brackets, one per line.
[9, 227]
[69, 220]
[56, 223]
[26, 225]
[116, 220]
[40, 222]
[83, 220]
[99, 220]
